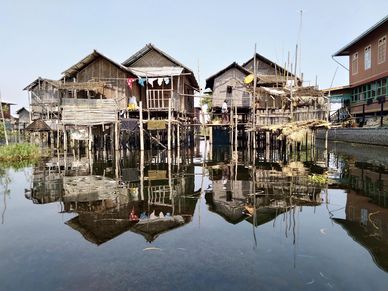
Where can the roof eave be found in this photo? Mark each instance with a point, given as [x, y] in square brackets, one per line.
[345, 50]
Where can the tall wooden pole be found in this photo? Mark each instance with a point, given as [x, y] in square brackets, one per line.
[169, 126]
[2, 117]
[141, 126]
[254, 98]
[236, 129]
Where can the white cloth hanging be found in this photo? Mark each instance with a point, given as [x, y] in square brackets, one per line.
[160, 81]
[151, 81]
[152, 215]
[166, 80]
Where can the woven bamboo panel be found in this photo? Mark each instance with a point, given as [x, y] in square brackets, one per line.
[88, 111]
[156, 124]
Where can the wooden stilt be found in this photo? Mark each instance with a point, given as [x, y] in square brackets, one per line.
[178, 136]
[117, 135]
[90, 139]
[141, 127]
[64, 138]
[169, 126]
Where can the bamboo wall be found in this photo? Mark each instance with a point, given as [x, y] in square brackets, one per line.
[234, 78]
[103, 70]
[88, 111]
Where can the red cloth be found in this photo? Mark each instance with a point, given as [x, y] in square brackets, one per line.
[133, 216]
[130, 82]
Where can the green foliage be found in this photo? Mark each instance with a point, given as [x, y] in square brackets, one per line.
[319, 179]
[21, 153]
[206, 100]
[2, 132]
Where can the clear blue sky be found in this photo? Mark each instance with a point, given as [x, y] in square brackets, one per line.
[44, 38]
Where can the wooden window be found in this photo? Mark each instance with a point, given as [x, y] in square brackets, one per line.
[382, 50]
[355, 63]
[368, 58]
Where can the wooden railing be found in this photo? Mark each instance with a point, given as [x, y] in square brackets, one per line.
[278, 116]
[157, 99]
[270, 117]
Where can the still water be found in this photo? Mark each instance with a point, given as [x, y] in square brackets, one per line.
[198, 220]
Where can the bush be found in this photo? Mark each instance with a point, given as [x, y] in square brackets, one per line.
[19, 152]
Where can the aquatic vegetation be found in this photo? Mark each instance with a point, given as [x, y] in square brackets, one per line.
[16, 153]
[319, 179]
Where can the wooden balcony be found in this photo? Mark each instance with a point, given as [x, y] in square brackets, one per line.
[157, 99]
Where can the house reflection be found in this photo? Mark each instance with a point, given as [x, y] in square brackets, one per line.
[259, 194]
[366, 207]
[145, 198]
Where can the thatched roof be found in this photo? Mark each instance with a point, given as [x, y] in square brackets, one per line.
[38, 126]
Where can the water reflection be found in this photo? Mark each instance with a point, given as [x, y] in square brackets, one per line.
[197, 205]
[366, 214]
[146, 198]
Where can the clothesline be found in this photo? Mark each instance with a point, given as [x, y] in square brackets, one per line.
[151, 81]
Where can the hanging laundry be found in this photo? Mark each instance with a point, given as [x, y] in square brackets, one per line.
[166, 80]
[141, 81]
[151, 81]
[161, 215]
[160, 81]
[130, 82]
[152, 215]
[143, 216]
[133, 216]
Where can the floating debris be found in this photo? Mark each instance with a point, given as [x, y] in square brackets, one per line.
[311, 282]
[152, 249]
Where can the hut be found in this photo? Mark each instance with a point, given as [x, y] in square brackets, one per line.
[97, 95]
[6, 116]
[24, 118]
[44, 99]
[167, 94]
[163, 78]
[260, 93]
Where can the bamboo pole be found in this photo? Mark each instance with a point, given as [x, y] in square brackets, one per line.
[64, 138]
[141, 127]
[236, 129]
[254, 98]
[3, 120]
[178, 136]
[90, 139]
[141, 174]
[117, 135]
[169, 126]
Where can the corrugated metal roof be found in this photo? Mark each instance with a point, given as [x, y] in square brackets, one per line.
[345, 50]
[156, 71]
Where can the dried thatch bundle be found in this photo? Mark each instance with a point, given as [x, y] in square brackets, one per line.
[296, 131]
